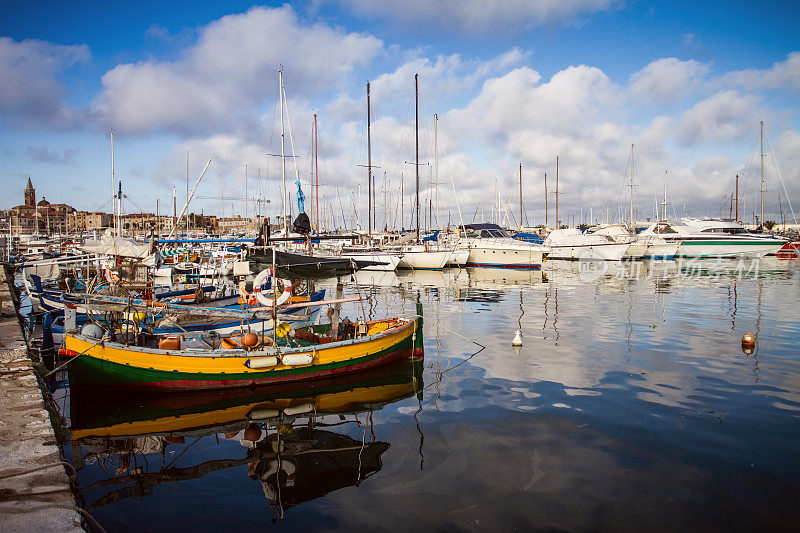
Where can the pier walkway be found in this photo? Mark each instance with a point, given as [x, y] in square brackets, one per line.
[34, 487]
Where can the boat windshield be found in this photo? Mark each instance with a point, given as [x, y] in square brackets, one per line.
[664, 228]
[726, 231]
[493, 233]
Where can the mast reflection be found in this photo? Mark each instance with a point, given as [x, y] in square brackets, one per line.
[295, 441]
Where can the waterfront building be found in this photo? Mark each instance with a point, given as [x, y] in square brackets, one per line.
[42, 217]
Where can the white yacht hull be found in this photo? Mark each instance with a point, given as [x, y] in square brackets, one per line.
[424, 260]
[635, 251]
[662, 251]
[607, 252]
[389, 261]
[458, 258]
[508, 257]
[746, 248]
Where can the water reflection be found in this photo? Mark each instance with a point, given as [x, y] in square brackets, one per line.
[629, 406]
[294, 443]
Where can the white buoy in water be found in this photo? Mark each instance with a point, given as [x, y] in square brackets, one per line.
[517, 339]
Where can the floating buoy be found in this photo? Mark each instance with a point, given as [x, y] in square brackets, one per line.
[748, 341]
[282, 329]
[250, 340]
[252, 433]
[517, 339]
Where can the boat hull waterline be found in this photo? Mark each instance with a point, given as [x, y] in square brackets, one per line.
[112, 365]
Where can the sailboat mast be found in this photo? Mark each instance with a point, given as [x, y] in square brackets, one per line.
[558, 224]
[416, 130]
[369, 167]
[316, 175]
[737, 197]
[631, 215]
[546, 218]
[762, 174]
[113, 204]
[187, 188]
[436, 161]
[520, 194]
[665, 195]
[283, 157]
[119, 211]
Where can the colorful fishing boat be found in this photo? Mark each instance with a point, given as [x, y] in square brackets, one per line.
[191, 362]
[94, 414]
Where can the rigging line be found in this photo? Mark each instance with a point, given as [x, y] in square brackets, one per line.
[56, 369]
[186, 449]
[291, 139]
[452, 185]
[780, 176]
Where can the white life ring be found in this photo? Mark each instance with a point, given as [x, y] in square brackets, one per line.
[288, 468]
[262, 298]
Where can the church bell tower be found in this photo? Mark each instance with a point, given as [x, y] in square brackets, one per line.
[30, 194]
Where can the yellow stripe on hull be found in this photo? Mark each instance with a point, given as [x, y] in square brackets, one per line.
[233, 361]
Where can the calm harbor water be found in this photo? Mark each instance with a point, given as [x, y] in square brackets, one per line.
[630, 406]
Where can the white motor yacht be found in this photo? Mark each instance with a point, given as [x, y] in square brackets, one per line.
[571, 244]
[641, 246]
[714, 238]
[490, 246]
[620, 234]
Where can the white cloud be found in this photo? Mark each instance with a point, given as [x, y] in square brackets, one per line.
[442, 79]
[516, 101]
[479, 16]
[666, 80]
[221, 81]
[30, 90]
[725, 116]
[783, 74]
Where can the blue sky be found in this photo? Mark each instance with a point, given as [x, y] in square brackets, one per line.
[511, 81]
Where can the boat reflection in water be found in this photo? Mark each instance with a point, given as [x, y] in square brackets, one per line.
[295, 440]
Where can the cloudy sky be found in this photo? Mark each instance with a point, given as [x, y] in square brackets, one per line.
[511, 81]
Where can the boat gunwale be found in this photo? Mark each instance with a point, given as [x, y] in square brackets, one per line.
[241, 353]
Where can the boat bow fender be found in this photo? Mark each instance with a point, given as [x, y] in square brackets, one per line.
[297, 359]
[261, 362]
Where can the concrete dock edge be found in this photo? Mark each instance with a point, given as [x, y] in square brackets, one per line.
[35, 492]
